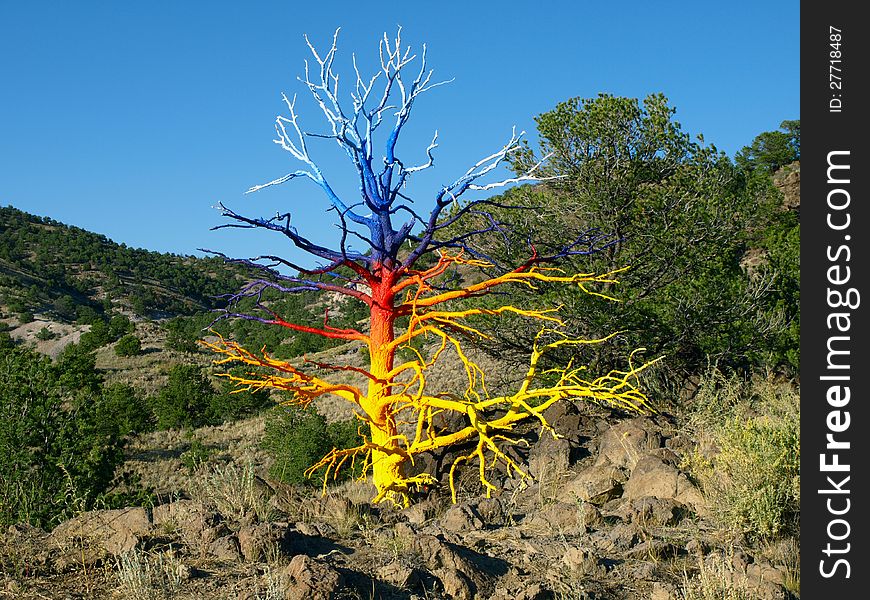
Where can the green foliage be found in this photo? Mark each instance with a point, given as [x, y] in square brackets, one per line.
[753, 481]
[680, 215]
[58, 445]
[232, 403]
[72, 272]
[182, 334]
[129, 345]
[185, 400]
[45, 334]
[190, 399]
[120, 325]
[127, 408]
[772, 150]
[297, 438]
[196, 454]
[6, 340]
[96, 337]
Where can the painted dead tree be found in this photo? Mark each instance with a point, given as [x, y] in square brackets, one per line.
[401, 277]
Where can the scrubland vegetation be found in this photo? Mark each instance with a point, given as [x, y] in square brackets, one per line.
[713, 289]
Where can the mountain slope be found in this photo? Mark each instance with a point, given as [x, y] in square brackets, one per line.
[68, 272]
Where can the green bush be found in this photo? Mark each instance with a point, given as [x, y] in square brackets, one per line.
[753, 481]
[679, 214]
[96, 337]
[6, 340]
[196, 454]
[182, 334]
[45, 334]
[232, 403]
[185, 400]
[58, 448]
[129, 345]
[297, 438]
[127, 408]
[120, 325]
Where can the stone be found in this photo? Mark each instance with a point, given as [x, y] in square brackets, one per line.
[256, 541]
[696, 547]
[533, 591]
[461, 517]
[549, 457]
[456, 585]
[492, 511]
[663, 591]
[650, 511]
[311, 579]
[625, 443]
[198, 526]
[788, 181]
[582, 562]
[399, 575]
[652, 477]
[115, 531]
[459, 577]
[558, 516]
[589, 517]
[596, 485]
[226, 548]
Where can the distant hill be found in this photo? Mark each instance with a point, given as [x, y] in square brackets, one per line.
[67, 273]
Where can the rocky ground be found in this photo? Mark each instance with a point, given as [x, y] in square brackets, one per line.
[609, 514]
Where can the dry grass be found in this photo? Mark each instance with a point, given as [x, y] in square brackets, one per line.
[716, 579]
[144, 576]
[748, 460]
[235, 491]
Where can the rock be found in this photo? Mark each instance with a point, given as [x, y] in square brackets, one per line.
[316, 529]
[653, 550]
[624, 536]
[174, 515]
[765, 573]
[620, 538]
[311, 579]
[625, 443]
[663, 591]
[420, 512]
[564, 417]
[696, 546]
[399, 575]
[226, 548]
[461, 517]
[582, 562]
[589, 517]
[788, 181]
[491, 511]
[650, 511]
[652, 477]
[460, 579]
[549, 457]
[198, 526]
[256, 541]
[115, 531]
[534, 591]
[415, 514]
[456, 585]
[558, 516]
[596, 485]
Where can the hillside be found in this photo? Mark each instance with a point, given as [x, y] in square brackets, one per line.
[47, 267]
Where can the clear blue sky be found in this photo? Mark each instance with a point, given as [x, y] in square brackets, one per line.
[132, 119]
